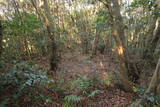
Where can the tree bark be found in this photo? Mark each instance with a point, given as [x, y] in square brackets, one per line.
[152, 40]
[53, 50]
[155, 81]
[1, 37]
[119, 36]
[117, 27]
[95, 45]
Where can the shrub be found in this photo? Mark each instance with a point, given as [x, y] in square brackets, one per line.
[85, 88]
[71, 100]
[24, 82]
[150, 99]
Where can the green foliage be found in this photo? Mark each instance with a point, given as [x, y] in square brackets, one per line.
[71, 100]
[82, 83]
[23, 79]
[90, 1]
[101, 20]
[145, 3]
[101, 47]
[94, 93]
[23, 35]
[150, 98]
[4, 103]
[23, 23]
[140, 91]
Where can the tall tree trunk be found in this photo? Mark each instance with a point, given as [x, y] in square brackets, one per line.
[41, 19]
[119, 36]
[155, 81]
[1, 37]
[95, 45]
[53, 50]
[152, 40]
[117, 27]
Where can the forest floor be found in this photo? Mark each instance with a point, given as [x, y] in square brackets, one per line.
[99, 67]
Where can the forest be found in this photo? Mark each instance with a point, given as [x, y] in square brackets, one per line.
[79, 53]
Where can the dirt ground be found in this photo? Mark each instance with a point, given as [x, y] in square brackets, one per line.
[100, 67]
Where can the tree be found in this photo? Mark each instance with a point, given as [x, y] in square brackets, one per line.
[117, 27]
[53, 48]
[100, 24]
[1, 37]
[153, 39]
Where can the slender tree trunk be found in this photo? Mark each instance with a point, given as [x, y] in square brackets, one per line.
[41, 19]
[53, 50]
[94, 50]
[1, 37]
[155, 81]
[152, 40]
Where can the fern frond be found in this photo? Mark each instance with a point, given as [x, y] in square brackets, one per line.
[94, 93]
[73, 98]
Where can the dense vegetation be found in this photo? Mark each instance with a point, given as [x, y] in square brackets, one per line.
[79, 53]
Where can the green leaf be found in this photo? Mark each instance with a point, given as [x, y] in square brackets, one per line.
[4, 103]
[147, 105]
[94, 93]
[73, 98]
[140, 105]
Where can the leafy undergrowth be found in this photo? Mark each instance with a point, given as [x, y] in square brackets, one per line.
[83, 91]
[24, 85]
[148, 99]
[80, 82]
[90, 92]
